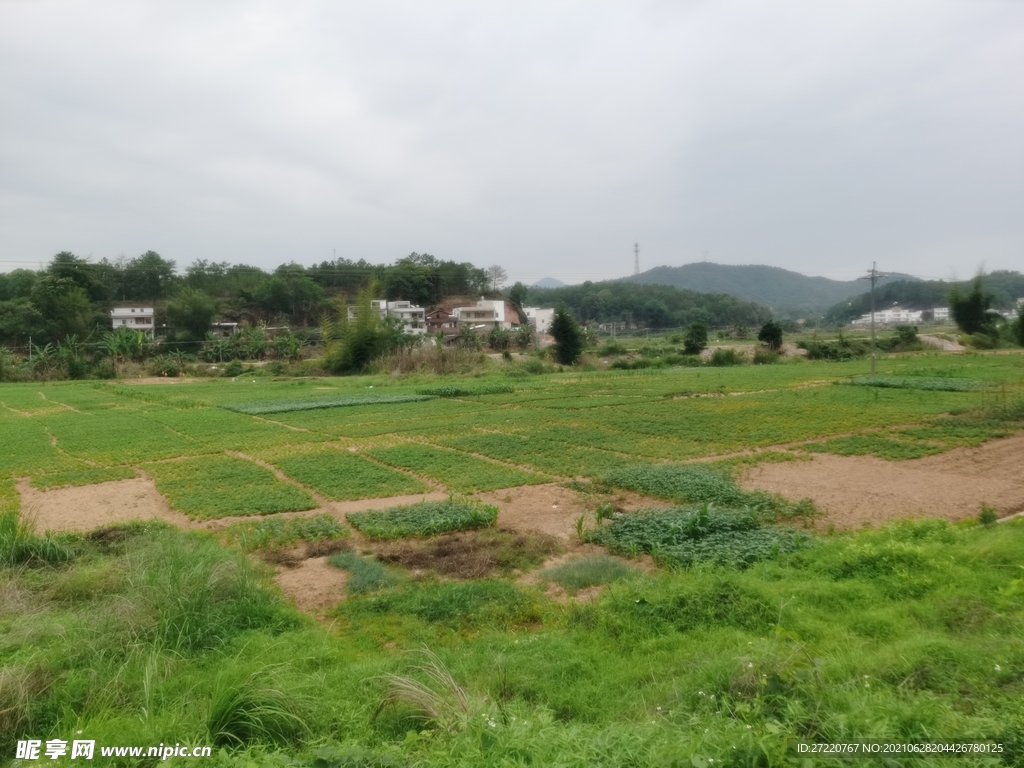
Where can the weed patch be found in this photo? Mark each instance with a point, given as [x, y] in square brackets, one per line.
[364, 575]
[340, 475]
[589, 571]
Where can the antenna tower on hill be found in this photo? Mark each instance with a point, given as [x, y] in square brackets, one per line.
[636, 258]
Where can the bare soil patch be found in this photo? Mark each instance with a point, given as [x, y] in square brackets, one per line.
[857, 490]
[313, 584]
[549, 508]
[86, 507]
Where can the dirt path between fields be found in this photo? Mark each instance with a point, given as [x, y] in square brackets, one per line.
[854, 491]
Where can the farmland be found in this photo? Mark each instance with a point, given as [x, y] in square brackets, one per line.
[675, 615]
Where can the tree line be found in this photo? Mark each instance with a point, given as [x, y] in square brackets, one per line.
[71, 295]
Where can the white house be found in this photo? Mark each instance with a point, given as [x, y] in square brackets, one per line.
[485, 315]
[412, 317]
[539, 319]
[134, 318]
[900, 316]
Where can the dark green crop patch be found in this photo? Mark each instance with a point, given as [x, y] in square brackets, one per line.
[427, 518]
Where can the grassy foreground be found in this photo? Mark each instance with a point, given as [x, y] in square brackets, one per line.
[145, 634]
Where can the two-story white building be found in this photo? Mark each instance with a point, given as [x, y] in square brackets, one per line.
[539, 318]
[412, 317]
[485, 315]
[900, 316]
[134, 318]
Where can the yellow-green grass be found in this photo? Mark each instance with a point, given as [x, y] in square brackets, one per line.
[82, 477]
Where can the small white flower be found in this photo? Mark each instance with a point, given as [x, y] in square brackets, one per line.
[748, 727]
[750, 666]
[490, 723]
[700, 693]
[998, 669]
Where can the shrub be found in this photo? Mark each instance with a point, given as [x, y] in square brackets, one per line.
[612, 348]
[722, 357]
[424, 519]
[766, 356]
[233, 369]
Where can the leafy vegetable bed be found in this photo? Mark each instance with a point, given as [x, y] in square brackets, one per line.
[685, 535]
[313, 403]
[424, 519]
[682, 482]
[283, 532]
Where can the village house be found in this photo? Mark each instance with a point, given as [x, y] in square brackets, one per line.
[134, 318]
[412, 317]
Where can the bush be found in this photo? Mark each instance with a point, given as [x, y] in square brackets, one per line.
[612, 348]
[424, 519]
[696, 338]
[233, 369]
[840, 349]
[771, 335]
[766, 356]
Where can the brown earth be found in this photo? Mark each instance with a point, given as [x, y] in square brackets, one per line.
[84, 507]
[313, 584]
[469, 554]
[857, 490]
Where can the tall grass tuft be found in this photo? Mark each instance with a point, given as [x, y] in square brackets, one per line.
[589, 571]
[439, 700]
[20, 546]
[253, 708]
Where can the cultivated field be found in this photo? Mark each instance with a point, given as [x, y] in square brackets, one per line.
[647, 567]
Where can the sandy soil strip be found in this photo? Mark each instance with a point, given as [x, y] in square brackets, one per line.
[314, 585]
[859, 490]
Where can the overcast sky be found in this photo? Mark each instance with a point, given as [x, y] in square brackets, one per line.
[546, 137]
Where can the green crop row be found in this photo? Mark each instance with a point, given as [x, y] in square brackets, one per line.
[221, 486]
[427, 518]
[453, 390]
[927, 383]
[283, 532]
[315, 403]
[458, 472]
[340, 475]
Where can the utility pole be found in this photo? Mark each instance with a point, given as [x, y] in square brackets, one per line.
[873, 275]
[636, 258]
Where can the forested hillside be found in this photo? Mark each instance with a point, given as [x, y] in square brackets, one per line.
[784, 291]
[1004, 286]
[653, 306]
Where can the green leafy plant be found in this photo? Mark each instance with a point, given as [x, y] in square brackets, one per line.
[589, 571]
[364, 574]
[424, 519]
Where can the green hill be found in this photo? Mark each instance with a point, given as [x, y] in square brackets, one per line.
[1004, 286]
[784, 291]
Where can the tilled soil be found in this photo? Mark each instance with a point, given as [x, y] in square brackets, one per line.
[854, 491]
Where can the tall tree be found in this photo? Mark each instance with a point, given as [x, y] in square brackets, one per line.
[970, 311]
[190, 314]
[771, 334]
[569, 337]
[148, 277]
[496, 276]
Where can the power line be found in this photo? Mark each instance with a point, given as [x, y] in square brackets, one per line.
[874, 276]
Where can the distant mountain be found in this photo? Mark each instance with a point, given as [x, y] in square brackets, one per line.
[784, 291]
[1004, 286]
[548, 282]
